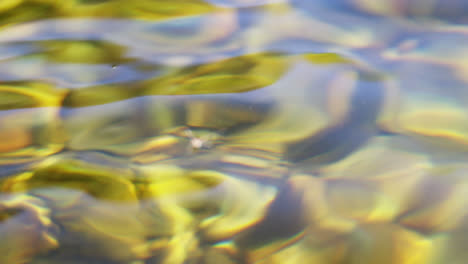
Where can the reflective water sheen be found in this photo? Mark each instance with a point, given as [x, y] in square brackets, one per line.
[233, 131]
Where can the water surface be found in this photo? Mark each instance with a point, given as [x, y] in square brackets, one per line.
[233, 131]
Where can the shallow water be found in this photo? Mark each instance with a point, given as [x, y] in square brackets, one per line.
[233, 131]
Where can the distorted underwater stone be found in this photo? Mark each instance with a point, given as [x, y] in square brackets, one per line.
[437, 202]
[232, 75]
[436, 116]
[357, 200]
[97, 174]
[307, 232]
[254, 164]
[26, 228]
[29, 120]
[427, 110]
[216, 199]
[382, 175]
[377, 159]
[313, 201]
[350, 127]
[283, 224]
[188, 188]
[242, 204]
[182, 247]
[107, 127]
[224, 114]
[211, 115]
[223, 108]
[220, 112]
[302, 109]
[99, 229]
[303, 252]
[164, 218]
[390, 243]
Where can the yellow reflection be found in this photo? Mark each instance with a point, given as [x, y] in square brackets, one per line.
[234, 75]
[68, 171]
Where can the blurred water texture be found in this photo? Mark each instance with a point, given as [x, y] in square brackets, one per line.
[233, 131]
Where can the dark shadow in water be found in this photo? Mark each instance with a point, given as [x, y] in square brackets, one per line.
[336, 142]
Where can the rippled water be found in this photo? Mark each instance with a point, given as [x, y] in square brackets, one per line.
[233, 131]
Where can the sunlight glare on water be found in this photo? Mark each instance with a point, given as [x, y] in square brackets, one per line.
[233, 131]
